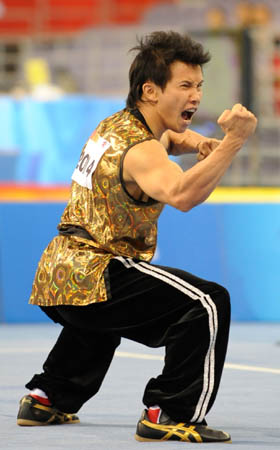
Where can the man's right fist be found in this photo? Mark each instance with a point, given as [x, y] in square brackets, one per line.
[238, 122]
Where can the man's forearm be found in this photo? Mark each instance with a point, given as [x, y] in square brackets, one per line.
[180, 143]
[198, 182]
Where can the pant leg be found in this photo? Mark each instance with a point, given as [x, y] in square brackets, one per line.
[156, 306]
[196, 347]
[75, 367]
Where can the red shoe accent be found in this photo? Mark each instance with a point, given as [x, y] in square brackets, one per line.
[44, 401]
[153, 414]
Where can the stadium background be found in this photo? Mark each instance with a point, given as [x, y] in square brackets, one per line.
[63, 67]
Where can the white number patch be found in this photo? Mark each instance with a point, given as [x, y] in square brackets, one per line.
[88, 161]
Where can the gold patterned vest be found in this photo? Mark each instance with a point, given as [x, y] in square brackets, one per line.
[71, 269]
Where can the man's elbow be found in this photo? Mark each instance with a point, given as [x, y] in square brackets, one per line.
[184, 204]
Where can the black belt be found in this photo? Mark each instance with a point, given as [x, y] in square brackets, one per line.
[74, 230]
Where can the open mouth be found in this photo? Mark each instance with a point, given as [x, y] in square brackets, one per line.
[188, 113]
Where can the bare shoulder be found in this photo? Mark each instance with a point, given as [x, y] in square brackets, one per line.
[145, 159]
[145, 154]
[151, 147]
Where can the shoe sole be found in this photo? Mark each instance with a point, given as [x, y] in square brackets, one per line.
[33, 423]
[142, 439]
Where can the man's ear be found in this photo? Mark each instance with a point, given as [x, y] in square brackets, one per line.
[150, 92]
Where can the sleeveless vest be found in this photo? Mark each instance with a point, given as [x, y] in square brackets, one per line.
[112, 223]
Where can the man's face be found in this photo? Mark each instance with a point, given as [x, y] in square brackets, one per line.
[178, 102]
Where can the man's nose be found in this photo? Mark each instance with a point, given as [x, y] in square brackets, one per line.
[195, 95]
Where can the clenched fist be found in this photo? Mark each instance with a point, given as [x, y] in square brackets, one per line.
[238, 122]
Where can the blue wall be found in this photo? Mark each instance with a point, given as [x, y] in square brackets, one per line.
[237, 245]
[41, 141]
[25, 229]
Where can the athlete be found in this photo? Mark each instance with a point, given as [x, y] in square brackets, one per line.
[96, 277]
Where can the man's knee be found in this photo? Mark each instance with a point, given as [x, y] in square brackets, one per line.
[221, 298]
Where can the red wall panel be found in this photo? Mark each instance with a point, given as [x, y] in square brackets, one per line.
[26, 17]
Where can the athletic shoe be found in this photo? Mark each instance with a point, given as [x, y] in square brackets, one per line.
[33, 413]
[168, 430]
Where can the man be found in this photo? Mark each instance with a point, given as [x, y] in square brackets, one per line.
[95, 278]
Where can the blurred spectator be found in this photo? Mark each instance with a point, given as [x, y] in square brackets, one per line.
[244, 13]
[262, 14]
[37, 75]
[251, 14]
[216, 18]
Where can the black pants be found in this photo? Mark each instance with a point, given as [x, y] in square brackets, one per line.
[153, 305]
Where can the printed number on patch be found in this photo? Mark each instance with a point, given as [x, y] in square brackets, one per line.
[90, 157]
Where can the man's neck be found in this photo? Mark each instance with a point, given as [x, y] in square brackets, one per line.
[149, 115]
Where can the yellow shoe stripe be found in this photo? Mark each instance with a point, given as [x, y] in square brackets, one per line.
[172, 430]
[56, 415]
[37, 405]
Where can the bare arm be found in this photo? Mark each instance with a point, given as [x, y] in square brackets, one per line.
[148, 165]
